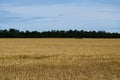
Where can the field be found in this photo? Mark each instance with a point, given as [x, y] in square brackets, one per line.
[59, 59]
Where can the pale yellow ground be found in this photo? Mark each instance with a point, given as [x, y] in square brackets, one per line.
[59, 59]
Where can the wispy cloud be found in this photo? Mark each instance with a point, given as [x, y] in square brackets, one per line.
[5, 13]
[32, 19]
[9, 19]
[53, 2]
[61, 13]
[19, 19]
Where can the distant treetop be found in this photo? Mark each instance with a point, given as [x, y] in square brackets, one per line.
[14, 33]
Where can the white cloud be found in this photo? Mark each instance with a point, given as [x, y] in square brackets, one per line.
[69, 11]
[62, 15]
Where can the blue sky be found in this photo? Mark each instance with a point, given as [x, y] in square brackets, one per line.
[44, 15]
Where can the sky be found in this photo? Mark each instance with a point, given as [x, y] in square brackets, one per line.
[44, 15]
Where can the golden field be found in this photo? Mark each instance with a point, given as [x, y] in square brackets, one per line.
[59, 59]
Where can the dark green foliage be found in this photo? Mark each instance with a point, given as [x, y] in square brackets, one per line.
[13, 33]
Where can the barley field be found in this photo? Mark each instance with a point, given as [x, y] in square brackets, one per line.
[59, 59]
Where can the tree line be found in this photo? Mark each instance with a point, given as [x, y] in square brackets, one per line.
[14, 33]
